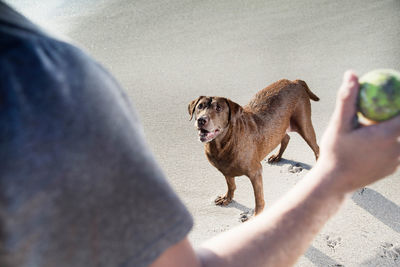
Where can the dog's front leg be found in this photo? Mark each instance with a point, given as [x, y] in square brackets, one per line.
[256, 181]
[225, 200]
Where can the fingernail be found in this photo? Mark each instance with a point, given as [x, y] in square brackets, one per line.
[348, 75]
[351, 79]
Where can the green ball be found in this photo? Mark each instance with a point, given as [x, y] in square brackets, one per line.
[379, 96]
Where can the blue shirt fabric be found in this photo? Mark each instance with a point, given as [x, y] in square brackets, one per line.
[78, 185]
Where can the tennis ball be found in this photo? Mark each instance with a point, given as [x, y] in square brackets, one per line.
[379, 96]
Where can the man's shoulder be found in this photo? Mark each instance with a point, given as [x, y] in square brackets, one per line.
[15, 25]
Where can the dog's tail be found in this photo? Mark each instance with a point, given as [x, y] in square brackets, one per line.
[310, 94]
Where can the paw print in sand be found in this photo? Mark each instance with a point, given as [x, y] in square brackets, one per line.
[246, 215]
[390, 251]
[333, 242]
[295, 168]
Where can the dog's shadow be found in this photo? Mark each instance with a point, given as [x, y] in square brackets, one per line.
[236, 205]
[246, 212]
[290, 162]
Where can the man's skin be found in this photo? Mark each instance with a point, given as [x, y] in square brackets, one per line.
[350, 158]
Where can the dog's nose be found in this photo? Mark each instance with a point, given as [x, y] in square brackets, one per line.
[202, 121]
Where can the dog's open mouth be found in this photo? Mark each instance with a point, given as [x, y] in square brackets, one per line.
[207, 136]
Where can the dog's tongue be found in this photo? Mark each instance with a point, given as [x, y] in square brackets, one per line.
[210, 134]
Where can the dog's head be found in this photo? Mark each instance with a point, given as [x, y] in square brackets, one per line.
[213, 115]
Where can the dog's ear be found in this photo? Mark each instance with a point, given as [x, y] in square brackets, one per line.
[235, 110]
[192, 106]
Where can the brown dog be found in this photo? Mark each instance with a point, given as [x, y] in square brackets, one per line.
[237, 138]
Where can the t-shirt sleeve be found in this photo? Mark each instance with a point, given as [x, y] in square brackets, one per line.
[78, 184]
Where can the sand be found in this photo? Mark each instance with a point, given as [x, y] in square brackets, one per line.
[167, 53]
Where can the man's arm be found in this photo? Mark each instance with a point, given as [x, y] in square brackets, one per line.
[350, 158]
[277, 237]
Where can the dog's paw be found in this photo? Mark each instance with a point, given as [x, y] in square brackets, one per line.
[222, 201]
[274, 158]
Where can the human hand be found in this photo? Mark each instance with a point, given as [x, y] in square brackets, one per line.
[357, 156]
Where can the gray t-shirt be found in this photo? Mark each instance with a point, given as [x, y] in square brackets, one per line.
[78, 185]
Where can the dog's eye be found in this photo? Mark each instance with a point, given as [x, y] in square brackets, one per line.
[200, 106]
[218, 108]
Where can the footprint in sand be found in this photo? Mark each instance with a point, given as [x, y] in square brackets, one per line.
[246, 215]
[295, 168]
[222, 228]
[390, 251]
[333, 242]
[292, 168]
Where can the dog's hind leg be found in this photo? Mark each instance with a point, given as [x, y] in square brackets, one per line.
[225, 200]
[303, 125]
[308, 135]
[284, 143]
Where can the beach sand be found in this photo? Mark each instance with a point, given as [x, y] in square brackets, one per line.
[167, 53]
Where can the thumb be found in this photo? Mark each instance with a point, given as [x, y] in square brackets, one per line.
[346, 102]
